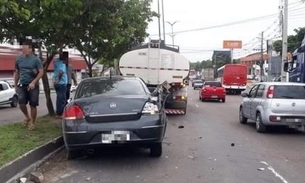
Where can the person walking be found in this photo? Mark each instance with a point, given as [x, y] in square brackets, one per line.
[28, 71]
[60, 83]
[71, 76]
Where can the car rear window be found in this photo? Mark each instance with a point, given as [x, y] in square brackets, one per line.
[198, 81]
[289, 92]
[110, 88]
[216, 84]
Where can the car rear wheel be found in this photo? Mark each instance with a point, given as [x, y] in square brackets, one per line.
[223, 100]
[242, 118]
[156, 150]
[14, 102]
[260, 127]
[73, 154]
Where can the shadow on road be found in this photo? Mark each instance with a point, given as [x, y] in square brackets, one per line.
[278, 130]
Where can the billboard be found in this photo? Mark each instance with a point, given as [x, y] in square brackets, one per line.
[232, 44]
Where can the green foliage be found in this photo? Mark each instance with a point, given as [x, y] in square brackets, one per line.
[294, 41]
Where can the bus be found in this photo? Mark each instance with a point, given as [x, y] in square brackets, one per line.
[233, 77]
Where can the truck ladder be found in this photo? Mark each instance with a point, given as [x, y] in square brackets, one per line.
[153, 60]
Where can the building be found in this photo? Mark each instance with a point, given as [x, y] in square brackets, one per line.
[252, 61]
[8, 56]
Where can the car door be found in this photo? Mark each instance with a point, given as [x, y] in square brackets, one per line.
[257, 100]
[3, 92]
[248, 100]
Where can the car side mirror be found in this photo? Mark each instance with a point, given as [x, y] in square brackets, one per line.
[245, 94]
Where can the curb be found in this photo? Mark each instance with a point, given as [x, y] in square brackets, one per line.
[11, 172]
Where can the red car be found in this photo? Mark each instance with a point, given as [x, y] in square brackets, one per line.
[212, 90]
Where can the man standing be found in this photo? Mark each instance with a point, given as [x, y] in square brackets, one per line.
[71, 76]
[60, 84]
[28, 71]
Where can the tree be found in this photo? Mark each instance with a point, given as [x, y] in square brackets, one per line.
[106, 39]
[48, 23]
[294, 41]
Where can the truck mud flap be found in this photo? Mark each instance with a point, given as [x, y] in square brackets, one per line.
[175, 111]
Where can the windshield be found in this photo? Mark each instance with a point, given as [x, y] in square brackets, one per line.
[110, 88]
[216, 84]
[290, 92]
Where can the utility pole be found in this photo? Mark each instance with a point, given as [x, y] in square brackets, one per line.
[172, 35]
[163, 20]
[269, 51]
[262, 57]
[159, 20]
[284, 77]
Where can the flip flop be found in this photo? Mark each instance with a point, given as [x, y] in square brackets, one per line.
[26, 122]
[31, 127]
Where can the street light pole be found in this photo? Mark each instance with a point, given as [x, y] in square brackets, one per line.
[284, 77]
[172, 35]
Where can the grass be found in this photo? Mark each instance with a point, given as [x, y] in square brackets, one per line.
[16, 140]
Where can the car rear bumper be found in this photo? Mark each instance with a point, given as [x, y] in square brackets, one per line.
[283, 119]
[147, 130]
[214, 96]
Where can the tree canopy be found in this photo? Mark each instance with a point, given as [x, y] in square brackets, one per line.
[294, 41]
[102, 30]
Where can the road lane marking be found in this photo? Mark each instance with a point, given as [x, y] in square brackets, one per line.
[274, 172]
[197, 105]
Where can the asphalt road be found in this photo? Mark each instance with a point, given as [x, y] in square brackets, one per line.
[211, 148]
[13, 115]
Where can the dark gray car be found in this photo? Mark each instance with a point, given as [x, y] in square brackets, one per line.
[114, 111]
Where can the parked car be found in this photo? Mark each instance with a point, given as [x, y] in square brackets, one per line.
[111, 111]
[195, 81]
[274, 104]
[8, 94]
[212, 90]
[198, 84]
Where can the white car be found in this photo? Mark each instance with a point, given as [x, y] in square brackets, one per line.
[8, 94]
[73, 88]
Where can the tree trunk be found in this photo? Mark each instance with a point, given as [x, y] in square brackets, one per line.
[90, 70]
[46, 86]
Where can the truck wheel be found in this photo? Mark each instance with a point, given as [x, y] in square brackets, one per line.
[14, 102]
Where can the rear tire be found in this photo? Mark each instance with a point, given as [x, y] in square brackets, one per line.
[242, 118]
[73, 154]
[260, 127]
[156, 150]
[14, 102]
[223, 100]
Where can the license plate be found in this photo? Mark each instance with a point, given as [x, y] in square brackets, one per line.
[119, 136]
[214, 96]
[293, 120]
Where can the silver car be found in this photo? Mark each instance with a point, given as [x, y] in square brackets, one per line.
[274, 104]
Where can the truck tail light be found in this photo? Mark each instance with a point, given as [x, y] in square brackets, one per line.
[270, 92]
[73, 112]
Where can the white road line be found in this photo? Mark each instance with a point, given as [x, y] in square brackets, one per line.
[274, 172]
[197, 105]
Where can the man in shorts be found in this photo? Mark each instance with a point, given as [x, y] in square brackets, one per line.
[28, 71]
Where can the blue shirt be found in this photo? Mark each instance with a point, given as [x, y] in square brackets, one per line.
[59, 65]
[28, 67]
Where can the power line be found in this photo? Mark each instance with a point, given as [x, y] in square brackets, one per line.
[224, 25]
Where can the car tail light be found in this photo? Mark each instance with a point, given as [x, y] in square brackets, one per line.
[270, 92]
[73, 112]
[274, 118]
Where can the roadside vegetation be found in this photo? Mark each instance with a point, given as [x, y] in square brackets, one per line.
[16, 140]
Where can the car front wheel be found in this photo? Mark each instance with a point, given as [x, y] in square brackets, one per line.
[14, 102]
